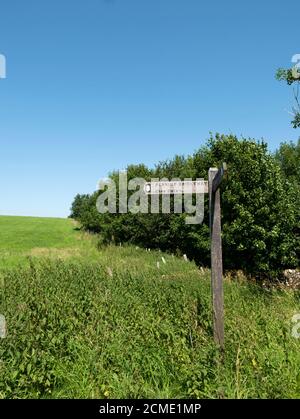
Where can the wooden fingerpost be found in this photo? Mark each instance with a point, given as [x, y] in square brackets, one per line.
[215, 177]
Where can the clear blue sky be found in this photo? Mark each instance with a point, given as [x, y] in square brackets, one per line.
[97, 84]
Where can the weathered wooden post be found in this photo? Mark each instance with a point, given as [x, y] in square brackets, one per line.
[215, 177]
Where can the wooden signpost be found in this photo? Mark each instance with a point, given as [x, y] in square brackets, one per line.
[176, 187]
[212, 186]
[215, 178]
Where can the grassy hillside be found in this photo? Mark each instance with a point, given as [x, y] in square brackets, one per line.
[110, 323]
[23, 237]
[26, 233]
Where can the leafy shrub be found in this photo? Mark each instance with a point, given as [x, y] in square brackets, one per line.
[260, 211]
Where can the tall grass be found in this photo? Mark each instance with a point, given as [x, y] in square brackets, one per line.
[119, 327]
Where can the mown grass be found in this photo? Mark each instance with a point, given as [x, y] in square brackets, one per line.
[23, 237]
[115, 326]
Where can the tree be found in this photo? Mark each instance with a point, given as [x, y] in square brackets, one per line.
[79, 204]
[260, 210]
[288, 156]
[292, 77]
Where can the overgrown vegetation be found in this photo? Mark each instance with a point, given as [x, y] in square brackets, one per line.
[111, 323]
[78, 329]
[260, 208]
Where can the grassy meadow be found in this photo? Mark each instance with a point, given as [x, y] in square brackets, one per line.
[110, 323]
[22, 238]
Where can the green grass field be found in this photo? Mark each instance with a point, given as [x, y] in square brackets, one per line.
[109, 323]
[23, 237]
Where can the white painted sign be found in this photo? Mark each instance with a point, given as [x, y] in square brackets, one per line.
[176, 187]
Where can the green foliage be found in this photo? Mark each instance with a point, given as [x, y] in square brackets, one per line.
[296, 120]
[259, 214]
[79, 205]
[74, 330]
[259, 210]
[110, 324]
[288, 156]
[291, 76]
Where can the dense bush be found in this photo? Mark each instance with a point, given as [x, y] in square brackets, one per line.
[260, 211]
[288, 156]
[79, 205]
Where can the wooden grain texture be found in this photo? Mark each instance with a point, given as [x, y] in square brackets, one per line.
[216, 255]
[221, 173]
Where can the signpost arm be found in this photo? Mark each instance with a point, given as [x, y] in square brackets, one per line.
[215, 176]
